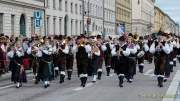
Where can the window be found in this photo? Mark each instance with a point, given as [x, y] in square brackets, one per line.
[66, 6]
[80, 27]
[1, 22]
[71, 27]
[54, 4]
[76, 8]
[76, 27]
[47, 3]
[54, 25]
[71, 7]
[60, 22]
[47, 25]
[80, 9]
[60, 4]
[12, 24]
[32, 26]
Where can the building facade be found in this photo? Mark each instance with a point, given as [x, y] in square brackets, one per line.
[109, 17]
[93, 12]
[170, 25]
[64, 17]
[17, 17]
[143, 16]
[123, 16]
[159, 20]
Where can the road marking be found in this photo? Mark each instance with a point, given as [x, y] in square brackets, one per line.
[81, 88]
[5, 87]
[173, 87]
[149, 72]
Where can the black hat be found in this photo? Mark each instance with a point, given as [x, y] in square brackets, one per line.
[122, 38]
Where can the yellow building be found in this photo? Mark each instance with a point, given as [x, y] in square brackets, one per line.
[124, 15]
[159, 20]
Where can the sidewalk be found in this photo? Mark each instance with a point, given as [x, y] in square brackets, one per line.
[7, 76]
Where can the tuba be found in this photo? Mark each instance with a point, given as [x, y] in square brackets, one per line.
[136, 37]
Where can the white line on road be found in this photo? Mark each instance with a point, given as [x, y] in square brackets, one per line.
[149, 72]
[6, 87]
[81, 88]
[171, 92]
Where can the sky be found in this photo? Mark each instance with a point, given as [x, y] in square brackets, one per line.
[170, 7]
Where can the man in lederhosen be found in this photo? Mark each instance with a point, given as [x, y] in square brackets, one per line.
[63, 50]
[34, 54]
[82, 59]
[120, 53]
[70, 58]
[160, 49]
[131, 70]
[101, 58]
[107, 56]
[142, 49]
[95, 59]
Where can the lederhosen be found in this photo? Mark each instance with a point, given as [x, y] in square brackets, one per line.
[131, 70]
[160, 61]
[70, 61]
[100, 63]
[169, 63]
[175, 52]
[107, 56]
[61, 63]
[34, 64]
[148, 55]
[140, 60]
[82, 64]
[95, 60]
[121, 62]
[55, 62]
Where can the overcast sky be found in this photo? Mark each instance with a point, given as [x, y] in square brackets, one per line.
[171, 7]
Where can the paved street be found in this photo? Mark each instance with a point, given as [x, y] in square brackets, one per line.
[144, 88]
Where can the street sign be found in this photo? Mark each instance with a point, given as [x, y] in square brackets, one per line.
[37, 23]
[38, 17]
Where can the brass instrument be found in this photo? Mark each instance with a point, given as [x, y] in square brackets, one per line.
[136, 37]
[3, 39]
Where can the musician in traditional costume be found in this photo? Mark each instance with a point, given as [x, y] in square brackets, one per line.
[82, 52]
[131, 70]
[34, 53]
[160, 49]
[107, 55]
[101, 58]
[70, 57]
[142, 49]
[16, 54]
[95, 59]
[175, 49]
[46, 62]
[63, 50]
[120, 53]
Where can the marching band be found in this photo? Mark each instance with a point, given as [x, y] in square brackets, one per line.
[50, 57]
